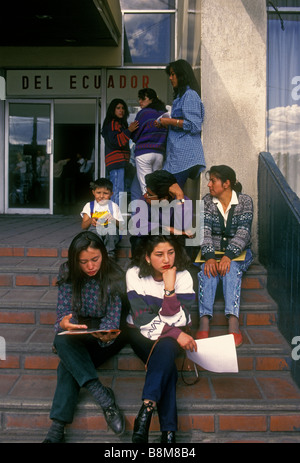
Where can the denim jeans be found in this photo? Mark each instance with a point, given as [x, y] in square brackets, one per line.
[232, 282]
[192, 172]
[117, 177]
[161, 376]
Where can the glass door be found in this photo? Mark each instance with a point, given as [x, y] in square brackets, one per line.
[29, 157]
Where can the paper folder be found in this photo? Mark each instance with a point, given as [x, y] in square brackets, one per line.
[219, 255]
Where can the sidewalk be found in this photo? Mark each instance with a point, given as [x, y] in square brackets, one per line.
[38, 230]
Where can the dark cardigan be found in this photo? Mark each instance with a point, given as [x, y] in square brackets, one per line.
[233, 238]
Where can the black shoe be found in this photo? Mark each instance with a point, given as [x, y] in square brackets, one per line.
[50, 441]
[56, 433]
[114, 417]
[142, 423]
[168, 437]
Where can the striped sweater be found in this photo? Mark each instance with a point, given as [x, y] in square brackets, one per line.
[152, 312]
[233, 238]
[117, 151]
[148, 138]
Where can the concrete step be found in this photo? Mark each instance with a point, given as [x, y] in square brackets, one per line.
[216, 407]
[259, 404]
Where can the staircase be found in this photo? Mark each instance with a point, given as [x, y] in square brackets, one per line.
[258, 404]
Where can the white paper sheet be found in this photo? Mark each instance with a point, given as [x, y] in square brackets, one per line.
[217, 354]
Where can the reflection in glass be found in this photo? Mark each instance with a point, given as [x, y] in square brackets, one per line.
[29, 164]
[148, 38]
[284, 96]
[147, 4]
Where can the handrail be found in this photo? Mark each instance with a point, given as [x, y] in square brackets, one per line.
[278, 177]
[279, 248]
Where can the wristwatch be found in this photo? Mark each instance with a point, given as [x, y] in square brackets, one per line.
[169, 293]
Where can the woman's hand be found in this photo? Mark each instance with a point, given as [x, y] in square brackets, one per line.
[163, 122]
[133, 126]
[169, 278]
[224, 265]
[67, 326]
[211, 268]
[187, 342]
[176, 192]
[107, 337]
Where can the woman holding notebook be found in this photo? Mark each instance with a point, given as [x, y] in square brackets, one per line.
[91, 295]
[228, 218]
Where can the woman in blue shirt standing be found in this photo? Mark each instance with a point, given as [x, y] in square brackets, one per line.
[184, 153]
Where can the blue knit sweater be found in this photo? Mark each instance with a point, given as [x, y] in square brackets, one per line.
[148, 138]
[233, 238]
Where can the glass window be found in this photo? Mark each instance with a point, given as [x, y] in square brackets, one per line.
[147, 4]
[283, 120]
[29, 163]
[148, 39]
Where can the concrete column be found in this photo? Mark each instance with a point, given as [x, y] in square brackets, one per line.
[233, 82]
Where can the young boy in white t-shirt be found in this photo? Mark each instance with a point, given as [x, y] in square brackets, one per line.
[103, 215]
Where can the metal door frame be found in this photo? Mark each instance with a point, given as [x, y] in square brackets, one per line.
[10, 210]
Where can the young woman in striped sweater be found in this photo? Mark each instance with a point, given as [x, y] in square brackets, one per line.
[150, 140]
[116, 134]
[160, 292]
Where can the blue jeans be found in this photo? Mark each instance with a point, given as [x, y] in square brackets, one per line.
[232, 282]
[192, 172]
[117, 177]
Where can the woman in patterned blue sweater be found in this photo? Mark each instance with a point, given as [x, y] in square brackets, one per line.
[91, 294]
[228, 218]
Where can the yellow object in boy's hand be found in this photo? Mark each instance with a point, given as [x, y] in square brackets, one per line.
[100, 215]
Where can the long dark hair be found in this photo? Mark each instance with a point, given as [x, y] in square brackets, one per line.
[152, 95]
[109, 276]
[224, 173]
[146, 247]
[185, 76]
[110, 113]
[159, 182]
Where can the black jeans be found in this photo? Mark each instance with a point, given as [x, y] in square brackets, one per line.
[79, 355]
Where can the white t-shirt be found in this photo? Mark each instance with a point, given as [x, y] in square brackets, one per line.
[108, 206]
